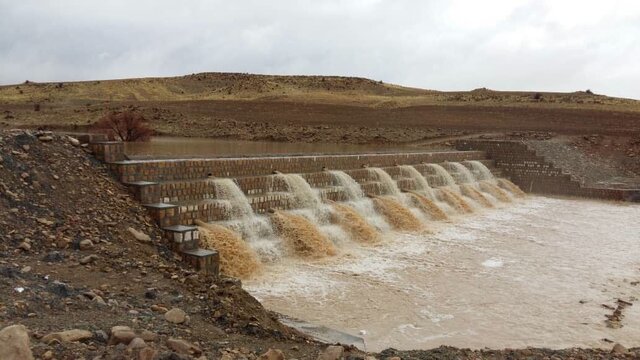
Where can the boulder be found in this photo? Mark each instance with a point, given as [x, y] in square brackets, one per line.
[68, 336]
[121, 335]
[333, 352]
[137, 343]
[183, 347]
[272, 354]
[618, 349]
[139, 235]
[147, 354]
[176, 316]
[14, 343]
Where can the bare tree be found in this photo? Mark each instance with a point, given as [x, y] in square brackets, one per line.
[126, 125]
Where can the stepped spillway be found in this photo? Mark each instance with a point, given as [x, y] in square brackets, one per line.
[315, 214]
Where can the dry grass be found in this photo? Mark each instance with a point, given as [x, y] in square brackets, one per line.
[317, 89]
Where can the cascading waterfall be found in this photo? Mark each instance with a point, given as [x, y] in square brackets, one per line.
[421, 184]
[460, 172]
[489, 187]
[428, 206]
[444, 178]
[513, 188]
[358, 201]
[236, 257]
[359, 229]
[314, 228]
[472, 192]
[301, 236]
[237, 207]
[389, 188]
[488, 183]
[397, 214]
[308, 204]
[480, 171]
[254, 229]
[455, 200]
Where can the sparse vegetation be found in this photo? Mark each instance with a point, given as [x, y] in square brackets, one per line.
[126, 125]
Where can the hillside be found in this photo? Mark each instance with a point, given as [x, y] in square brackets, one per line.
[319, 89]
[316, 109]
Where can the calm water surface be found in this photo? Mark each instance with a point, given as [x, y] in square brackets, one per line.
[181, 147]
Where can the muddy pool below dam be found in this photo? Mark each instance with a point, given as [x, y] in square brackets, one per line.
[540, 271]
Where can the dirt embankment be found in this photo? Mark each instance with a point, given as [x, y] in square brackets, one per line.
[68, 261]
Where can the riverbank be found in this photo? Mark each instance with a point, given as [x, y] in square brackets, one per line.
[68, 261]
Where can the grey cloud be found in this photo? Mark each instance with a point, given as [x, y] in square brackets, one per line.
[448, 45]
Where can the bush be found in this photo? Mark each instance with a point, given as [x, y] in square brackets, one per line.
[589, 92]
[127, 125]
[537, 96]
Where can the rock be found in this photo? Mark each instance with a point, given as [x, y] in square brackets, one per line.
[176, 316]
[183, 347]
[85, 244]
[54, 256]
[618, 349]
[272, 354]
[73, 141]
[121, 335]
[333, 352]
[68, 336]
[47, 355]
[24, 246]
[147, 354]
[44, 221]
[101, 336]
[14, 343]
[139, 235]
[89, 259]
[45, 138]
[158, 309]
[137, 343]
[147, 335]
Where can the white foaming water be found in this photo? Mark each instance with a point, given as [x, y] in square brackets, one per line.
[357, 200]
[531, 274]
[309, 204]
[256, 230]
[422, 186]
[492, 263]
[459, 172]
[389, 186]
[443, 176]
[479, 170]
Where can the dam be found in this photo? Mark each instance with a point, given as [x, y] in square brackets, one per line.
[411, 250]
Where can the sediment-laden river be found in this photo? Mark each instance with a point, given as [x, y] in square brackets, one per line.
[537, 272]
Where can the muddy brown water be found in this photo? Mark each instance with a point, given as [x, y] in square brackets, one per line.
[185, 147]
[531, 273]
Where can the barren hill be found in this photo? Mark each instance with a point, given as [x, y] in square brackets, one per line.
[321, 89]
[314, 108]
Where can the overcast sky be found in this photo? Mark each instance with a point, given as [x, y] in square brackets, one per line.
[554, 45]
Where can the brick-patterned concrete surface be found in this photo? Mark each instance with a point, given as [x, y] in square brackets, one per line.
[190, 169]
[533, 173]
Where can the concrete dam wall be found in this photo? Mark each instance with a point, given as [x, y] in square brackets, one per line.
[237, 213]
